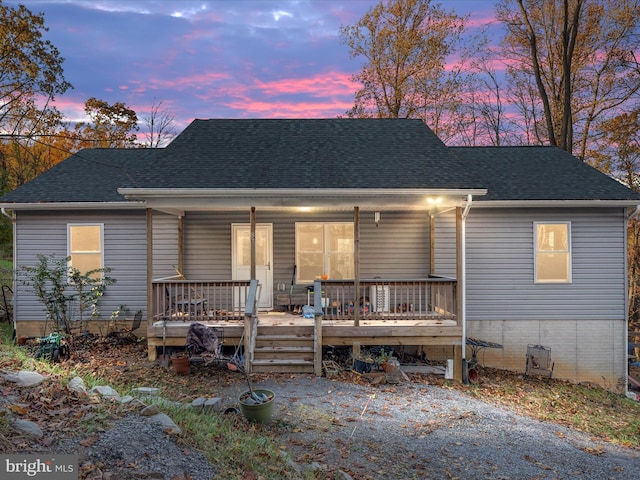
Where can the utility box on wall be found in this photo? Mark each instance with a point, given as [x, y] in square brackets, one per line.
[379, 298]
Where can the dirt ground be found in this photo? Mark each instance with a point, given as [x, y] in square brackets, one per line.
[424, 427]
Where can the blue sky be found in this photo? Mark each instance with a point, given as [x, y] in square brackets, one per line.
[212, 59]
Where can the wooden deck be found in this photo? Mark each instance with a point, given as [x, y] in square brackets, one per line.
[287, 343]
[379, 312]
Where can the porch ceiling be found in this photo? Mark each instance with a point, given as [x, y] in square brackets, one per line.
[185, 199]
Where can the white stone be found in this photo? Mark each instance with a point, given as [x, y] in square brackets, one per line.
[25, 378]
[213, 405]
[166, 423]
[147, 391]
[198, 404]
[106, 391]
[76, 384]
[28, 427]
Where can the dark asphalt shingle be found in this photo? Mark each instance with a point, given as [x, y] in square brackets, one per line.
[320, 153]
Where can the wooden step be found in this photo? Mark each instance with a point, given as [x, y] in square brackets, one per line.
[283, 341]
[282, 366]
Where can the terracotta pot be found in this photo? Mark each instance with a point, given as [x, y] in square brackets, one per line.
[181, 365]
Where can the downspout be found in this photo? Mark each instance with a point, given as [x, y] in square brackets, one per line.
[463, 313]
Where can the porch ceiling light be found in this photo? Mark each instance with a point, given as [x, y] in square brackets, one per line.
[304, 209]
[434, 201]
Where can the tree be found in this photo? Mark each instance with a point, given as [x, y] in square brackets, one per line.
[618, 155]
[404, 44]
[577, 55]
[30, 151]
[112, 126]
[29, 65]
[160, 125]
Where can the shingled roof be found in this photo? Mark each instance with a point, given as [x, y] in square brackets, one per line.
[538, 173]
[309, 153]
[312, 154]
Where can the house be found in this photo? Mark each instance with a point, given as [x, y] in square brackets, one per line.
[393, 237]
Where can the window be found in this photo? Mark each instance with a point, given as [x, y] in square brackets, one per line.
[324, 249]
[553, 252]
[85, 247]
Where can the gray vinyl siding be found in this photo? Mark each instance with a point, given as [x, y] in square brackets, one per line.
[500, 266]
[124, 253]
[398, 248]
[165, 244]
[445, 244]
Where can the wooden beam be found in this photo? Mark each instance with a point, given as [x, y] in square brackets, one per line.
[181, 244]
[317, 346]
[252, 219]
[356, 265]
[432, 244]
[149, 264]
[459, 273]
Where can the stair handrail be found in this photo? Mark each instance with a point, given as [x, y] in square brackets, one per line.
[251, 323]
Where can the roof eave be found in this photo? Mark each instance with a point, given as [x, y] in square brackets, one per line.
[205, 199]
[124, 205]
[555, 203]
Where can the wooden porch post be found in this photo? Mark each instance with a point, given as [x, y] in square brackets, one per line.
[356, 265]
[457, 368]
[432, 243]
[151, 349]
[252, 220]
[181, 245]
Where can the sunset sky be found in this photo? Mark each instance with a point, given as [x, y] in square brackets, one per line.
[213, 59]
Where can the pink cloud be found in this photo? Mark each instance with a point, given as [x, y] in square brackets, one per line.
[321, 84]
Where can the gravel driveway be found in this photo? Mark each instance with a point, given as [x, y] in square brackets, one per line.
[414, 431]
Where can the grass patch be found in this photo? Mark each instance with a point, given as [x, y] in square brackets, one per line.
[598, 412]
[236, 446]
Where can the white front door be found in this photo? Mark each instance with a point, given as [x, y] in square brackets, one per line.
[241, 258]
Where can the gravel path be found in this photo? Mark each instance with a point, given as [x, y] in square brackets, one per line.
[407, 431]
[413, 431]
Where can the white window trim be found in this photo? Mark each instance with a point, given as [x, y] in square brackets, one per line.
[87, 224]
[325, 240]
[535, 254]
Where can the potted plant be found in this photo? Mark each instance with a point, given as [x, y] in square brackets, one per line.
[180, 362]
[383, 358]
[364, 363]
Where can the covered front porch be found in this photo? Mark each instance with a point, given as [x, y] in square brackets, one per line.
[222, 243]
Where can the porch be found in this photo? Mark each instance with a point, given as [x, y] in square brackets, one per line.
[416, 312]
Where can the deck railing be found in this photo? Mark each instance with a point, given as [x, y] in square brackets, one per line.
[194, 300]
[384, 299]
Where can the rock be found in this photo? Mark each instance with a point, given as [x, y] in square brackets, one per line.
[150, 411]
[166, 423]
[76, 384]
[106, 391]
[126, 399]
[25, 378]
[28, 427]
[147, 391]
[213, 405]
[198, 404]
[135, 404]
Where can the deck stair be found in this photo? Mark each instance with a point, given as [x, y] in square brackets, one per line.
[283, 349]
